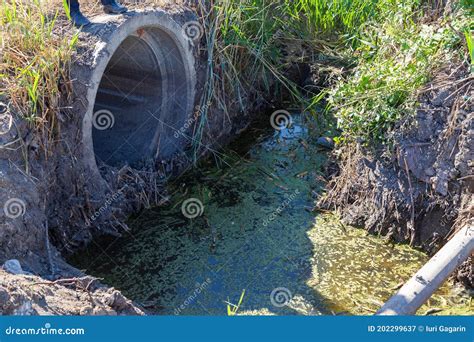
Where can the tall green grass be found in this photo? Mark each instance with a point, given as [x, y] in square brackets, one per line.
[470, 46]
[341, 15]
[34, 60]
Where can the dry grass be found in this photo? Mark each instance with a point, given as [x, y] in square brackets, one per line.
[36, 50]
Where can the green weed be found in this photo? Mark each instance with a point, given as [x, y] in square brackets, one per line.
[394, 59]
[232, 309]
[34, 61]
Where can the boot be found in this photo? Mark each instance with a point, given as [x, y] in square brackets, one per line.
[79, 20]
[112, 7]
[77, 17]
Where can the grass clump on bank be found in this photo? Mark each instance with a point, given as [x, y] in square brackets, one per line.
[34, 60]
[393, 46]
[253, 44]
[393, 60]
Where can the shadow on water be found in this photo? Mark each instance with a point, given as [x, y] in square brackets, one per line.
[255, 233]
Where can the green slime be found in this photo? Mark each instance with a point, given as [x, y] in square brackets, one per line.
[257, 233]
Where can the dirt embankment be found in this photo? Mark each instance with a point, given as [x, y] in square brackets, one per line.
[31, 295]
[420, 189]
[50, 204]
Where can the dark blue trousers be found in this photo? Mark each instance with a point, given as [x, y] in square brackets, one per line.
[74, 4]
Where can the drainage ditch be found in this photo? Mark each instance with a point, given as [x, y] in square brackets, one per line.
[243, 221]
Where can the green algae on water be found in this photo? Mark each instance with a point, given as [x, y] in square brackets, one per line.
[258, 234]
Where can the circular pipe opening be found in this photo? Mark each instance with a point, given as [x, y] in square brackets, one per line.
[141, 101]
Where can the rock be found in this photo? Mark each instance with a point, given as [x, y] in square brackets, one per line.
[102, 311]
[117, 301]
[326, 142]
[13, 266]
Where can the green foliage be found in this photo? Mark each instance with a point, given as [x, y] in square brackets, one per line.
[341, 15]
[470, 47]
[393, 60]
[33, 59]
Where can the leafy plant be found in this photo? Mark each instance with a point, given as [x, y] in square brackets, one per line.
[232, 309]
[394, 58]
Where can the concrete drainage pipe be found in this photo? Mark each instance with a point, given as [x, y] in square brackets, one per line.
[140, 90]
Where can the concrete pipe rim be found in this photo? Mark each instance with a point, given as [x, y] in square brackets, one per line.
[170, 53]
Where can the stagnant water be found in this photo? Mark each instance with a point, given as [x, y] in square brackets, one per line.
[257, 233]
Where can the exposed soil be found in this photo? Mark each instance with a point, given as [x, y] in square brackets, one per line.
[54, 190]
[420, 190]
[32, 295]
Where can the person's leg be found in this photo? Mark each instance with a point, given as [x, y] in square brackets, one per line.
[112, 7]
[74, 6]
[76, 16]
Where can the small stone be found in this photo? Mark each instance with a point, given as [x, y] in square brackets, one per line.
[102, 311]
[13, 266]
[117, 301]
[325, 142]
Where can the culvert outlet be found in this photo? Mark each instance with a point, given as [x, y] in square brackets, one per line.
[140, 89]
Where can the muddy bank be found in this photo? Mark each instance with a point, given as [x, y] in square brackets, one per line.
[53, 201]
[31, 295]
[420, 189]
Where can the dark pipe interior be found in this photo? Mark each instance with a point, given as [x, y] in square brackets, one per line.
[131, 91]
